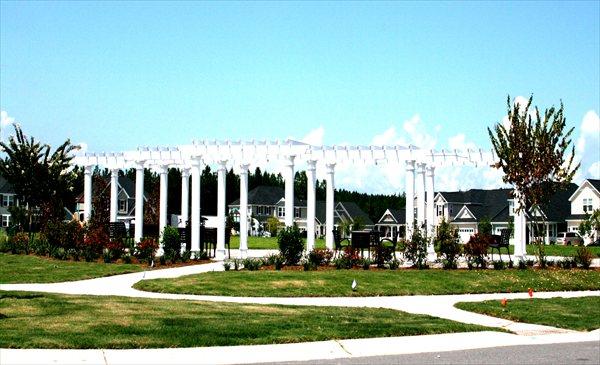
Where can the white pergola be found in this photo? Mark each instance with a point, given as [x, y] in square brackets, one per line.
[190, 159]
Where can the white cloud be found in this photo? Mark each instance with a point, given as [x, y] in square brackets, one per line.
[5, 119]
[594, 170]
[587, 147]
[315, 137]
[590, 125]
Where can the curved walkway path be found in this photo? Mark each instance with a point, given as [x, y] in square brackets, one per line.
[438, 306]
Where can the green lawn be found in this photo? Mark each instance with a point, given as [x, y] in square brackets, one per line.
[264, 243]
[373, 283]
[581, 314]
[35, 269]
[552, 250]
[30, 320]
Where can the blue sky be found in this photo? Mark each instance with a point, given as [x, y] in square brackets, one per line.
[119, 75]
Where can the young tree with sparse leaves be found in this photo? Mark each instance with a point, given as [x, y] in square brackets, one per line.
[534, 153]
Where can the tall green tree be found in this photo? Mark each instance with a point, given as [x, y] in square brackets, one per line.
[42, 179]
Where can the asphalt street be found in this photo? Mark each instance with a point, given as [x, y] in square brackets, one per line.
[584, 353]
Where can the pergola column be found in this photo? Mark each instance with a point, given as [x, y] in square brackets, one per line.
[196, 172]
[244, 210]
[420, 187]
[185, 197]
[139, 201]
[410, 197]
[164, 187]
[221, 175]
[114, 188]
[310, 204]
[289, 191]
[430, 217]
[520, 228]
[329, 205]
[87, 193]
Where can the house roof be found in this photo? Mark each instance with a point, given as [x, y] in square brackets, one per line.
[558, 207]
[5, 186]
[355, 212]
[399, 215]
[263, 195]
[126, 184]
[594, 183]
[481, 203]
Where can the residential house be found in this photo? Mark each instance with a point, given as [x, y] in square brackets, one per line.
[583, 202]
[9, 199]
[269, 201]
[125, 200]
[392, 223]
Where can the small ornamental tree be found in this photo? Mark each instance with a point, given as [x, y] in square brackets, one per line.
[447, 243]
[590, 226]
[291, 245]
[535, 155]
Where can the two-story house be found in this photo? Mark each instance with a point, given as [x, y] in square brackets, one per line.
[269, 201]
[583, 202]
[8, 199]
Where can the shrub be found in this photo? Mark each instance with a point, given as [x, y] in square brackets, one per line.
[382, 254]
[307, 265]
[476, 249]
[146, 249]
[499, 265]
[290, 244]
[416, 249]
[252, 264]
[279, 262]
[94, 243]
[19, 243]
[226, 265]
[106, 255]
[236, 264]
[115, 248]
[73, 253]
[127, 258]
[584, 257]
[365, 263]
[69, 235]
[393, 264]
[447, 243]
[186, 256]
[171, 243]
[522, 265]
[40, 245]
[162, 260]
[320, 256]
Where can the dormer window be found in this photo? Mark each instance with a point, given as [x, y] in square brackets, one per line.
[122, 205]
[8, 200]
[440, 210]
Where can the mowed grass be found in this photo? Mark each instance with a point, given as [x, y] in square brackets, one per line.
[333, 283]
[30, 320]
[267, 243]
[35, 269]
[581, 314]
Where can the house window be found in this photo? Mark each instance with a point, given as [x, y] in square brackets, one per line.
[296, 212]
[587, 205]
[122, 205]
[5, 220]
[511, 207]
[280, 211]
[440, 210]
[8, 200]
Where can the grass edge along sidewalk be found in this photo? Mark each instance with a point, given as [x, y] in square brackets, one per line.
[36, 320]
[334, 283]
[580, 314]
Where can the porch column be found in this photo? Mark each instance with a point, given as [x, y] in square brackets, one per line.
[139, 201]
[87, 193]
[429, 210]
[547, 233]
[420, 186]
[164, 187]
[520, 230]
[221, 171]
[196, 172]
[289, 191]
[185, 197]
[310, 204]
[244, 210]
[114, 184]
[329, 205]
[410, 197]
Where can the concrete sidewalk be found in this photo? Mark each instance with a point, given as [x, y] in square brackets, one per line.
[434, 305]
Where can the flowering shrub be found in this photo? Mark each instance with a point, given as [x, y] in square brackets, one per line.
[476, 249]
[320, 256]
[19, 243]
[68, 235]
[115, 248]
[94, 243]
[146, 249]
[447, 243]
[349, 258]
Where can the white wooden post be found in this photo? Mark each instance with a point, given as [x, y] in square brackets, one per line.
[87, 193]
[329, 205]
[520, 228]
[114, 184]
[164, 187]
[289, 191]
[244, 210]
[139, 201]
[185, 197]
[310, 204]
[196, 172]
[430, 218]
[221, 175]
[420, 186]
[410, 197]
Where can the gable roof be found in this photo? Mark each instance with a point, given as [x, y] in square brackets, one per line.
[398, 215]
[355, 212]
[595, 184]
[263, 195]
[558, 208]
